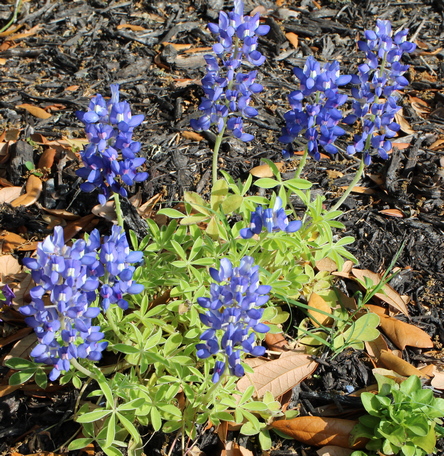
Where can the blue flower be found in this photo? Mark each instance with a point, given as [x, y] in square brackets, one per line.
[228, 91]
[273, 219]
[233, 316]
[73, 277]
[109, 127]
[318, 120]
[380, 76]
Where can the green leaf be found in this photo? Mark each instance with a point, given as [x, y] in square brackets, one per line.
[110, 426]
[266, 182]
[193, 219]
[41, 378]
[249, 429]
[79, 444]
[95, 415]
[171, 426]
[231, 204]
[156, 420]
[265, 439]
[127, 349]
[21, 377]
[256, 406]
[171, 213]
[218, 193]
[112, 451]
[132, 405]
[197, 202]
[129, 427]
[20, 363]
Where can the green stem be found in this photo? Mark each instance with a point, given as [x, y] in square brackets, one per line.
[301, 164]
[17, 6]
[81, 369]
[355, 180]
[111, 321]
[118, 208]
[217, 145]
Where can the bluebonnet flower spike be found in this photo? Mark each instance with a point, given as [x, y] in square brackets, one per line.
[234, 312]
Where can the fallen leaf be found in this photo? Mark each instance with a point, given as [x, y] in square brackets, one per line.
[326, 264]
[192, 135]
[400, 366]
[8, 266]
[27, 34]
[387, 294]
[20, 334]
[35, 111]
[437, 145]
[11, 30]
[429, 370]
[22, 348]
[279, 375]
[331, 450]
[9, 194]
[276, 342]
[392, 213]
[401, 333]
[33, 190]
[293, 38]
[134, 28]
[438, 379]
[375, 347]
[106, 211]
[61, 213]
[361, 190]
[4, 391]
[233, 449]
[22, 287]
[10, 241]
[47, 159]
[403, 123]
[265, 170]
[319, 431]
[317, 318]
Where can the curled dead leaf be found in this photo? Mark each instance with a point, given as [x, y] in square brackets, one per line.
[35, 111]
[317, 318]
[319, 431]
[400, 366]
[265, 170]
[9, 194]
[33, 190]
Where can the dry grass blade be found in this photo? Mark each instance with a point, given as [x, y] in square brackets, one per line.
[279, 375]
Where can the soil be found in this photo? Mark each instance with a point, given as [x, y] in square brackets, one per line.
[74, 49]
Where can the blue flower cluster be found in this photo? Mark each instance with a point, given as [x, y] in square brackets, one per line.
[234, 309]
[273, 219]
[378, 78]
[109, 126]
[71, 276]
[227, 90]
[318, 121]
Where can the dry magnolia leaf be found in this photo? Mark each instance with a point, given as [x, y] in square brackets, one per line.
[362, 190]
[326, 264]
[331, 450]
[47, 159]
[35, 111]
[374, 347]
[265, 170]
[400, 366]
[403, 334]
[10, 241]
[403, 123]
[276, 342]
[319, 431]
[22, 348]
[192, 135]
[293, 38]
[107, 211]
[392, 213]
[438, 379]
[388, 294]
[9, 194]
[279, 375]
[317, 318]
[8, 266]
[33, 190]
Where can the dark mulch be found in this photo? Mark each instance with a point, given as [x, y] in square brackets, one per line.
[79, 43]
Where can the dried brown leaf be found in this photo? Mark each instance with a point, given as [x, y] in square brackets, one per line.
[392, 213]
[375, 347]
[8, 266]
[33, 190]
[279, 375]
[9, 194]
[318, 431]
[276, 342]
[35, 111]
[438, 379]
[192, 135]
[107, 211]
[388, 294]
[326, 264]
[20, 334]
[47, 158]
[22, 348]
[265, 170]
[403, 334]
[10, 241]
[317, 318]
[293, 38]
[403, 123]
[400, 366]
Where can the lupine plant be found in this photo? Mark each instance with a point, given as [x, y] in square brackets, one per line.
[179, 332]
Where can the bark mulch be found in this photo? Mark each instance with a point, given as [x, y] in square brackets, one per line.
[68, 50]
